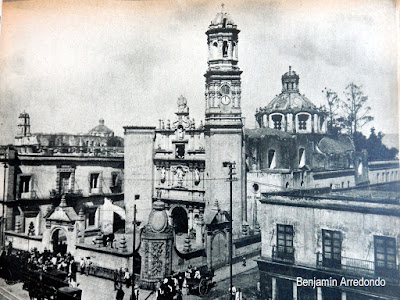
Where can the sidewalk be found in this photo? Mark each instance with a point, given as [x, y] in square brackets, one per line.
[237, 268]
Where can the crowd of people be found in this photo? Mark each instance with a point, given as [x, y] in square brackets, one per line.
[36, 268]
[48, 261]
[175, 286]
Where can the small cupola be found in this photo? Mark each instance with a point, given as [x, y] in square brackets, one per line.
[290, 81]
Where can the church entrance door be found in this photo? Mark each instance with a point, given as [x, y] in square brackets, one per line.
[59, 241]
[180, 220]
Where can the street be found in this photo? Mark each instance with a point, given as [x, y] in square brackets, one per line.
[94, 288]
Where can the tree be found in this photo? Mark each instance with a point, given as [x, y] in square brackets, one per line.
[356, 113]
[115, 141]
[333, 102]
[376, 149]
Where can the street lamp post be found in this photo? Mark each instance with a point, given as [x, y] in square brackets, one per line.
[232, 166]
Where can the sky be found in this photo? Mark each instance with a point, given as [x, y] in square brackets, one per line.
[70, 63]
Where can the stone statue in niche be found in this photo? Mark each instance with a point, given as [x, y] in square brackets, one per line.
[196, 176]
[179, 176]
[163, 174]
[181, 132]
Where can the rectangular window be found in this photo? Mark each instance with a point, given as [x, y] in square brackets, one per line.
[92, 218]
[284, 242]
[385, 254]
[331, 248]
[94, 180]
[179, 151]
[25, 184]
[65, 182]
[115, 183]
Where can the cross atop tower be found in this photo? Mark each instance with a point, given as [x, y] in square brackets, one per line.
[222, 7]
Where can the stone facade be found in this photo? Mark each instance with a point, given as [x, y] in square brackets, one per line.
[184, 163]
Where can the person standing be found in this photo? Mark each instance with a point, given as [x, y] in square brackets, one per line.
[116, 279]
[120, 293]
[72, 271]
[127, 278]
[82, 265]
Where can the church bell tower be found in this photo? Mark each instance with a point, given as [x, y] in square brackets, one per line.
[223, 89]
[223, 120]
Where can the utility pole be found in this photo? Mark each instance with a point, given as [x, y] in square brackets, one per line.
[3, 221]
[134, 248]
[232, 166]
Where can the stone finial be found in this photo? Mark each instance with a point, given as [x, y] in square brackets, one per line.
[81, 214]
[98, 240]
[182, 103]
[187, 247]
[63, 202]
[245, 229]
[31, 229]
[216, 205]
[122, 245]
[18, 226]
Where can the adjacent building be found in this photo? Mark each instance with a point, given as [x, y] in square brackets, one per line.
[79, 173]
[322, 244]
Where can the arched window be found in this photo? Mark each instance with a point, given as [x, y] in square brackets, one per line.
[277, 119]
[303, 122]
[271, 159]
[302, 157]
[215, 50]
[224, 23]
[360, 168]
[225, 49]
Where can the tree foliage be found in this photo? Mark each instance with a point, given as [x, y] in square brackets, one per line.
[333, 103]
[115, 141]
[355, 110]
[374, 146]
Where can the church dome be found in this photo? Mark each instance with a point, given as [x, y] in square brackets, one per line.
[101, 130]
[290, 100]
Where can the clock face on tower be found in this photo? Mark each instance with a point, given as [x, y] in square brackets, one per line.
[225, 100]
[225, 91]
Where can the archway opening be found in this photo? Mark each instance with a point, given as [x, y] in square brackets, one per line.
[118, 224]
[59, 241]
[180, 220]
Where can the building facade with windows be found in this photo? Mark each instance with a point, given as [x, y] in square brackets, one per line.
[315, 243]
[85, 181]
